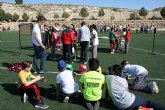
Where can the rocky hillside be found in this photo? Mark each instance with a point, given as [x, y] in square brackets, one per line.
[49, 11]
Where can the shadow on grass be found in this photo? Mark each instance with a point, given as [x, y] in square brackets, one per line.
[48, 93]
[10, 88]
[5, 64]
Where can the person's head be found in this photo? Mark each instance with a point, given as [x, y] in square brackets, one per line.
[93, 64]
[26, 65]
[70, 26]
[61, 66]
[114, 70]
[41, 20]
[123, 63]
[73, 26]
[93, 27]
[83, 23]
[69, 67]
[112, 29]
[82, 68]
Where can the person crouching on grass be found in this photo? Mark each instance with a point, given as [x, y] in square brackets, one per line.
[120, 95]
[27, 86]
[66, 86]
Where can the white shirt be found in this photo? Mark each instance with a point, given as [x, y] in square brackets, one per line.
[66, 81]
[95, 41]
[118, 91]
[133, 70]
[84, 34]
[38, 31]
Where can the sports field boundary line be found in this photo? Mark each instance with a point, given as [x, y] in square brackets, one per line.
[55, 72]
[105, 37]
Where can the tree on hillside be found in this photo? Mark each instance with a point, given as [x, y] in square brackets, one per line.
[154, 18]
[143, 12]
[56, 16]
[8, 17]
[84, 12]
[2, 14]
[162, 12]
[25, 17]
[15, 17]
[65, 15]
[101, 13]
[134, 16]
[19, 1]
[39, 14]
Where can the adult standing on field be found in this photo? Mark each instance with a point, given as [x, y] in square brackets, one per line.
[84, 39]
[140, 74]
[39, 48]
[95, 40]
[127, 40]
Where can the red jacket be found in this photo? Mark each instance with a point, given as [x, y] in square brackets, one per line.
[128, 35]
[67, 37]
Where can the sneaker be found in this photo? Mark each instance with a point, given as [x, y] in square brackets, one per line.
[155, 88]
[25, 98]
[85, 63]
[66, 99]
[35, 72]
[42, 72]
[41, 106]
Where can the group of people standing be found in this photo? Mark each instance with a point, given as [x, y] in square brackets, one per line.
[70, 39]
[119, 39]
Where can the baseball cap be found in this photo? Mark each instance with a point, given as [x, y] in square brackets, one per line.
[69, 67]
[82, 68]
[61, 64]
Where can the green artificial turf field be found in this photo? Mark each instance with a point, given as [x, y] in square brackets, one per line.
[139, 53]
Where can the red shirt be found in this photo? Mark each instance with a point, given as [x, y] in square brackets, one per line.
[67, 37]
[128, 35]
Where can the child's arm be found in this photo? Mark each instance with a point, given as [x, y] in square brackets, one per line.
[33, 80]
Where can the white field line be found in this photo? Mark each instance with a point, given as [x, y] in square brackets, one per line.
[105, 37]
[14, 41]
[54, 72]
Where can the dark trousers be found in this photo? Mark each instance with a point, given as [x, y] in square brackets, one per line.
[39, 51]
[84, 51]
[92, 105]
[67, 51]
[30, 91]
[53, 52]
[147, 103]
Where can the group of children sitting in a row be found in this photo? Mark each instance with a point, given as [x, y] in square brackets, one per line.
[92, 82]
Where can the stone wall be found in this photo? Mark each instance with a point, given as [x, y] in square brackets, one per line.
[160, 24]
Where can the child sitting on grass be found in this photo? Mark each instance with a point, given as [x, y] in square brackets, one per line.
[66, 86]
[27, 86]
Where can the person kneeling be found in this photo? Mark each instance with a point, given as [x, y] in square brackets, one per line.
[120, 95]
[92, 84]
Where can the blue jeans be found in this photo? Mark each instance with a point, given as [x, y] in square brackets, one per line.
[139, 83]
[84, 51]
[126, 46]
[39, 51]
[147, 103]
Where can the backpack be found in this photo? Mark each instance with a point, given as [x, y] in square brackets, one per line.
[17, 67]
